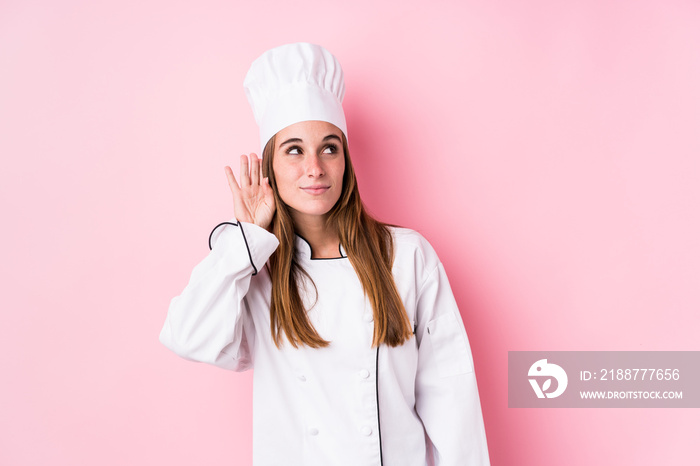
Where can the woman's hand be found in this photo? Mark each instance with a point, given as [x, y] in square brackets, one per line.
[253, 201]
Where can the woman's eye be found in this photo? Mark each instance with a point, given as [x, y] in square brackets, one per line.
[332, 149]
[293, 151]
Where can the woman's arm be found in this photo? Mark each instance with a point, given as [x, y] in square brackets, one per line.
[447, 397]
[206, 323]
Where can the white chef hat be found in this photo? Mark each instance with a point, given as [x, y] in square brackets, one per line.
[293, 83]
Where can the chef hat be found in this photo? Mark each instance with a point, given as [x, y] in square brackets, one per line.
[293, 83]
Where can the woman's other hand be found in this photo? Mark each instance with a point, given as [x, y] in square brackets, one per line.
[253, 201]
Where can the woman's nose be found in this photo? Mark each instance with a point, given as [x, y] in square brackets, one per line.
[313, 166]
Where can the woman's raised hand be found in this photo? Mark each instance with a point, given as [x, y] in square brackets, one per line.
[253, 201]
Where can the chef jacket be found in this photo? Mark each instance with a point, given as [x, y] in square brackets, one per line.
[348, 403]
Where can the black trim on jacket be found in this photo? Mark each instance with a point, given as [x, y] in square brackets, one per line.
[250, 256]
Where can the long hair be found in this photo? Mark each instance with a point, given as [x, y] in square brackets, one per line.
[370, 249]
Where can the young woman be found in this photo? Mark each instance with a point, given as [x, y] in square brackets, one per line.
[359, 353]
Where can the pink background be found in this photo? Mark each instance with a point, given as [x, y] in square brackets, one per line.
[549, 150]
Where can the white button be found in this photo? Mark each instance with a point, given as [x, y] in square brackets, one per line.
[366, 430]
[301, 377]
[313, 431]
[364, 373]
[369, 317]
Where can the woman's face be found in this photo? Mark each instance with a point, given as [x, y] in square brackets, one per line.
[309, 164]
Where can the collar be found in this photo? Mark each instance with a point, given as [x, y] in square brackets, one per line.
[303, 249]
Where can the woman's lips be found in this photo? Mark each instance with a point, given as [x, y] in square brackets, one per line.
[315, 190]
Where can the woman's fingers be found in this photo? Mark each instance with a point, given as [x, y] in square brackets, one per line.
[255, 166]
[251, 171]
[267, 189]
[232, 183]
[253, 199]
[245, 173]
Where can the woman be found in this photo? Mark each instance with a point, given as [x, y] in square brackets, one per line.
[359, 350]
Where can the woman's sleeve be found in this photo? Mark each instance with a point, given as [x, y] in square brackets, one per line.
[207, 321]
[447, 397]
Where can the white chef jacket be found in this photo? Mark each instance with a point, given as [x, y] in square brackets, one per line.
[348, 404]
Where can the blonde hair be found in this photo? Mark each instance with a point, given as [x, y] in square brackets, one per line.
[370, 248]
